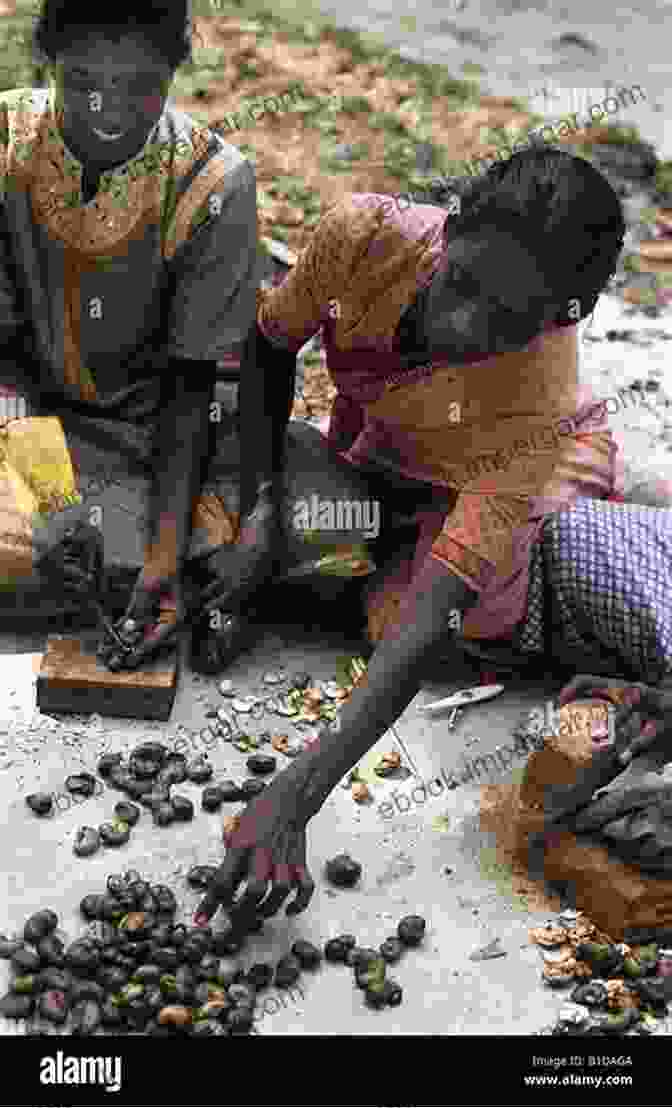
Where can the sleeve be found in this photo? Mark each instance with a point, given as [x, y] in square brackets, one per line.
[291, 313]
[217, 273]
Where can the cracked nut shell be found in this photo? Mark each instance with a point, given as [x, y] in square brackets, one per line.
[287, 971]
[87, 842]
[183, 809]
[261, 763]
[212, 798]
[129, 813]
[308, 955]
[199, 877]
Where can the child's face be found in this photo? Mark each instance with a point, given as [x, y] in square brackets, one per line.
[110, 95]
[477, 302]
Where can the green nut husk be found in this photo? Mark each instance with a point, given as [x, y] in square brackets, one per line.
[25, 984]
[131, 992]
[632, 968]
[373, 977]
[647, 956]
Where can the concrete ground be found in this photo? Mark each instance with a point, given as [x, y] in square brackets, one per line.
[429, 858]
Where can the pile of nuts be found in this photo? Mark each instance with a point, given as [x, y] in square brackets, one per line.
[618, 988]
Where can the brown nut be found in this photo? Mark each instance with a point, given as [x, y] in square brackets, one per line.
[361, 792]
[230, 825]
[280, 743]
[175, 1015]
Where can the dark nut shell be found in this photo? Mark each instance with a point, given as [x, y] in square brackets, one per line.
[261, 763]
[86, 990]
[199, 771]
[183, 809]
[242, 994]
[17, 1006]
[129, 813]
[51, 951]
[334, 951]
[308, 955]
[343, 871]
[156, 796]
[115, 834]
[260, 975]
[231, 793]
[392, 949]
[163, 815]
[144, 767]
[204, 1029]
[165, 899]
[154, 998]
[39, 926]
[110, 1014]
[26, 960]
[86, 1017]
[137, 788]
[153, 751]
[411, 930]
[42, 804]
[229, 971]
[392, 992]
[360, 956]
[107, 763]
[110, 908]
[147, 975]
[87, 842]
[251, 787]
[166, 957]
[82, 957]
[9, 947]
[81, 784]
[199, 877]
[91, 906]
[212, 798]
[240, 1020]
[52, 978]
[112, 978]
[287, 971]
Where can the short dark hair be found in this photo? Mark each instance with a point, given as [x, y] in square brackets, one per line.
[559, 207]
[166, 26]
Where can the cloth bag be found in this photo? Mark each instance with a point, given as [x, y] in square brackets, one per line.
[36, 480]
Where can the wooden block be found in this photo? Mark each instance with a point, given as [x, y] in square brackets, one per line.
[72, 679]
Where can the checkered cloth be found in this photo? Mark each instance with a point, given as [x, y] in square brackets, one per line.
[601, 580]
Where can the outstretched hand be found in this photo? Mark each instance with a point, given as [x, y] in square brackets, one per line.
[267, 852]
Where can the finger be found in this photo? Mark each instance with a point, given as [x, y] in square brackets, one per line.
[257, 886]
[643, 741]
[159, 638]
[580, 686]
[282, 887]
[224, 884]
[302, 880]
[306, 888]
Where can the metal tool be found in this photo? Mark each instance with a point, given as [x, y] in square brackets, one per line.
[464, 697]
[402, 744]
